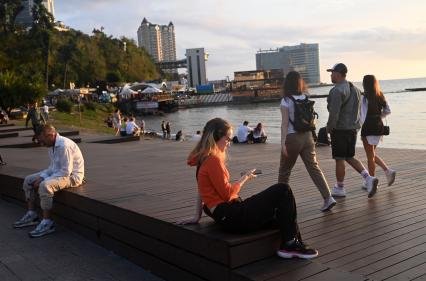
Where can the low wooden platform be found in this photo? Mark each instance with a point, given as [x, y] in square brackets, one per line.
[6, 125]
[62, 133]
[30, 144]
[8, 135]
[116, 139]
[136, 193]
[14, 129]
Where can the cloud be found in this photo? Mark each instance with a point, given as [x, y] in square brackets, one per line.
[232, 31]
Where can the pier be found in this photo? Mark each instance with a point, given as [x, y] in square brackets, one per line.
[137, 190]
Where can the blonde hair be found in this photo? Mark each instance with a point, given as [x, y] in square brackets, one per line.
[213, 131]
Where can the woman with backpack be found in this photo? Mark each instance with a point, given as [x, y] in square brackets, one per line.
[374, 107]
[219, 198]
[297, 139]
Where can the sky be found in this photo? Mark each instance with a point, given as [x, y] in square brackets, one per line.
[386, 38]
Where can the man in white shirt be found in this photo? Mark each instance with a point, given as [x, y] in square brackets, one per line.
[66, 169]
[243, 131]
[197, 136]
[132, 129]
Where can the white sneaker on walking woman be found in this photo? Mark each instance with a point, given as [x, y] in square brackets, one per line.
[329, 203]
[390, 176]
[372, 183]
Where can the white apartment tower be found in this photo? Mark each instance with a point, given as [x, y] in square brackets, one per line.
[158, 40]
[25, 17]
[196, 63]
[303, 58]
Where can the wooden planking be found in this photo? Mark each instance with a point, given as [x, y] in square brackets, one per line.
[152, 178]
[31, 144]
[117, 140]
[8, 135]
[14, 129]
[6, 125]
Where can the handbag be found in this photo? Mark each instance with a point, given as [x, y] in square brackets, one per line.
[386, 129]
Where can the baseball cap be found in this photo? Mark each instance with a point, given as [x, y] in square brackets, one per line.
[339, 67]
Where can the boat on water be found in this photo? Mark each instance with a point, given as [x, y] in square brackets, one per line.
[257, 86]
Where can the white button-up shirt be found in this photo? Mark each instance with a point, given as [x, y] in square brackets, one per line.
[66, 160]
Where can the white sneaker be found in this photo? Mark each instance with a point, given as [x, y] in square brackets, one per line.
[329, 203]
[372, 183]
[30, 218]
[390, 176]
[45, 227]
[364, 185]
[338, 191]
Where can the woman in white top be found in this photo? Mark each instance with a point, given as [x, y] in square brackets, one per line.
[374, 108]
[299, 143]
[116, 121]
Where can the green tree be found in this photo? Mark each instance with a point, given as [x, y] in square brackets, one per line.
[9, 10]
[15, 91]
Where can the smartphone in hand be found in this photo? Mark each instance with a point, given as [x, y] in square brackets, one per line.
[256, 172]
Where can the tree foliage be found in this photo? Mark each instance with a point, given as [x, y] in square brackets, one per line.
[42, 53]
[14, 90]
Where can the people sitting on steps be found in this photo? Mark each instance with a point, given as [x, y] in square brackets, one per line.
[131, 128]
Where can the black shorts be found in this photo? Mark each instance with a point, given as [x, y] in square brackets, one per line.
[343, 143]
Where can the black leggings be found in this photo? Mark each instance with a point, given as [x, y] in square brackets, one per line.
[274, 206]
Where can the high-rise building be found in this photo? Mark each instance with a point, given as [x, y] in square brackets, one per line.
[25, 17]
[196, 63]
[158, 40]
[303, 58]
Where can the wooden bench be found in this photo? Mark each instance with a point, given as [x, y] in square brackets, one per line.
[130, 208]
[198, 252]
[6, 125]
[31, 144]
[8, 135]
[69, 133]
[17, 129]
[118, 139]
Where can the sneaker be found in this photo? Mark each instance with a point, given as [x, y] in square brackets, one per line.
[45, 227]
[329, 203]
[29, 219]
[364, 185]
[338, 191]
[372, 183]
[390, 176]
[297, 249]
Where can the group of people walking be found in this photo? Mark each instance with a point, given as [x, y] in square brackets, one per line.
[348, 109]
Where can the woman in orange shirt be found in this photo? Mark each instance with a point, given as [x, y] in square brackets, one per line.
[219, 198]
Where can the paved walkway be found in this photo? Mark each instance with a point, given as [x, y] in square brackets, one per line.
[63, 255]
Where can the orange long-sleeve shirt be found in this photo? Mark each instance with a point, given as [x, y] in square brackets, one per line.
[213, 182]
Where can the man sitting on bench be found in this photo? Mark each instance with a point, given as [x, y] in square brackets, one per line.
[66, 169]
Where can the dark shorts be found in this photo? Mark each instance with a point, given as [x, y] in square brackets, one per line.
[343, 144]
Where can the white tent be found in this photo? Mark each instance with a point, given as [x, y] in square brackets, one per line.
[151, 90]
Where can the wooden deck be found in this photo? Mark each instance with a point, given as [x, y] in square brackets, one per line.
[137, 190]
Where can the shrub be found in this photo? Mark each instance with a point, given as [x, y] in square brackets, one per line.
[90, 106]
[107, 107]
[64, 105]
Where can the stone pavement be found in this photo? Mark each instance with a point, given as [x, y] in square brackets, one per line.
[63, 255]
